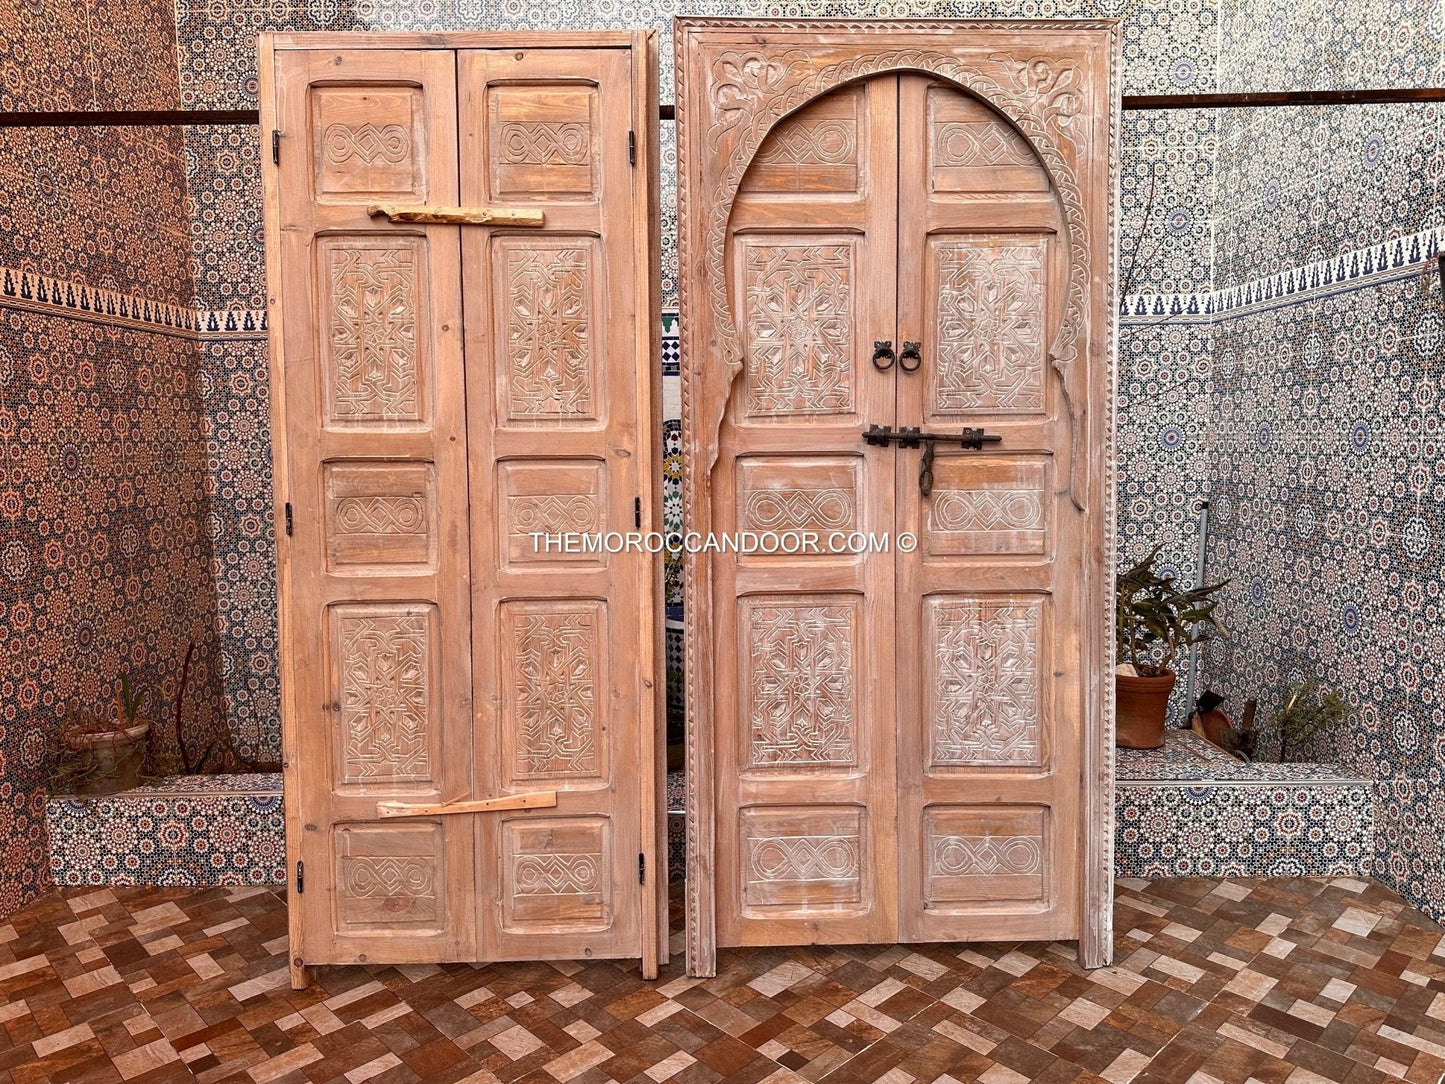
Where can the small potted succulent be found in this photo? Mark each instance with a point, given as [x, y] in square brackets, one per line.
[104, 752]
[1155, 618]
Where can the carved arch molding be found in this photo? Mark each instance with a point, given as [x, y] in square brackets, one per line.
[1057, 83]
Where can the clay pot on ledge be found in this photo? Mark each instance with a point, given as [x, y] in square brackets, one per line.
[1140, 706]
[109, 761]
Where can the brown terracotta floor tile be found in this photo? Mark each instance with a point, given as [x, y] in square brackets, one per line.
[1225, 981]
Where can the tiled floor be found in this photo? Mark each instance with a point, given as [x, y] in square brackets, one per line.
[1270, 980]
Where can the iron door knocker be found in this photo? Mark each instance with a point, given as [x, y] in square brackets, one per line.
[911, 351]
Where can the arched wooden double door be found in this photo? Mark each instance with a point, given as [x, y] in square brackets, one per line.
[898, 729]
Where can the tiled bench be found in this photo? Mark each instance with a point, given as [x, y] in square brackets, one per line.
[184, 830]
[1190, 810]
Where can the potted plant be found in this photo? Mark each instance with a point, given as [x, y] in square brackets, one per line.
[105, 752]
[1155, 618]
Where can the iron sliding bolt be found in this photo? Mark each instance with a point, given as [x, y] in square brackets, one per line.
[911, 436]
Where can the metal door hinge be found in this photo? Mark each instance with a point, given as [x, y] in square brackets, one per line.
[642, 869]
[276, 146]
[637, 512]
[288, 518]
[632, 148]
[300, 878]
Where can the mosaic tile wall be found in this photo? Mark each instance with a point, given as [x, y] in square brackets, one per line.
[105, 543]
[1324, 451]
[88, 54]
[105, 559]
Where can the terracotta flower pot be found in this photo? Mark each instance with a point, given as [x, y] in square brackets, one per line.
[1140, 706]
[110, 761]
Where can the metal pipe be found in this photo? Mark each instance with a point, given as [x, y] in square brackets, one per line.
[1191, 691]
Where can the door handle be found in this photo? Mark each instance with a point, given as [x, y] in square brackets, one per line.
[883, 352]
[457, 216]
[544, 799]
[911, 351]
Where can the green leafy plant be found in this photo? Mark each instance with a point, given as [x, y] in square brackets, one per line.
[1155, 618]
[129, 699]
[1306, 713]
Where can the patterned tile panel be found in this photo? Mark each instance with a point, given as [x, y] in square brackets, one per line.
[185, 830]
[96, 54]
[101, 206]
[1264, 45]
[1306, 184]
[1243, 829]
[1214, 980]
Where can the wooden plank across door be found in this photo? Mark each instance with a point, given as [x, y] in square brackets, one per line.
[558, 442]
[803, 640]
[463, 275]
[371, 435]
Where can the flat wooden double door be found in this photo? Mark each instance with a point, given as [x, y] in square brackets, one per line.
[452, 398]
[898, 728]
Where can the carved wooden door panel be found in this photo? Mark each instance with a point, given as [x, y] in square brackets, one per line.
[990, 605]
[373, 435]
[805, 781]
[909, 745]
[558, 421]
[443, 396]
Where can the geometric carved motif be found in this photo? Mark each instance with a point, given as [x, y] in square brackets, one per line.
[541, 141]
[381, 515]
[379, 878]
[802, 858]
[553, 657]
[367, 143]
[985, 854]
[554, 513]
[990, 327]
[556, 872]
[824, 143]
[372, 336]
[549, 337]
[979, 143]
[800, 691]
[985, 703]
[799, 328]
[542, 144]
[389, 890]
[384, 665]
[987, 510]
[389, 876]
[807, 155]
[797, 509]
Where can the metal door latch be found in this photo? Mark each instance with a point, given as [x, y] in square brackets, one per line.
[912, 436]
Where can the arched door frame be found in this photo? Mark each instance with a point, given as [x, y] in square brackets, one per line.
[1056, 82]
